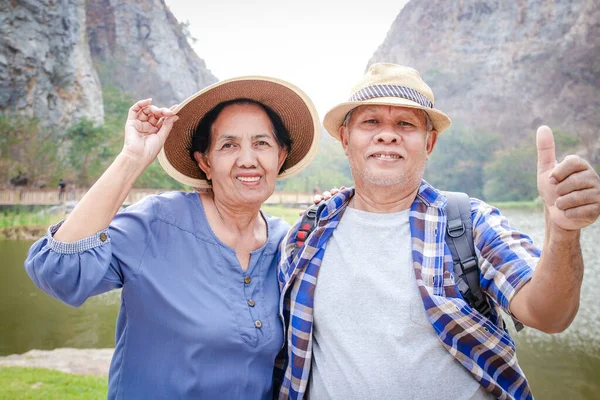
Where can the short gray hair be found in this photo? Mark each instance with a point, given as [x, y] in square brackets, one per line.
[348, 117]
[428, 120]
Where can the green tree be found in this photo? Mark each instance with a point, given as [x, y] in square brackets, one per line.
[154, 177]
[511, 176]
[29, 153]
[458, 159]
[88, 150]
[328, 169]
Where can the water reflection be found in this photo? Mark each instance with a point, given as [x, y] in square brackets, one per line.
[565, 365]
[33, 320]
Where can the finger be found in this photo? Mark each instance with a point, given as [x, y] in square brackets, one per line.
[160, 123]
[334, 190]
[326, 195]
[588, 213]
[300, 213]
[578, 180]
[173, 107]
[141, 115]
[137, 107]
[342, 187]
[144, 127]
[153, 120]
[165, 129]
[158, 112]
[166, 112]
[545, 149]
[569, 166]
[577, 199]
[317, 198]
[152, 111]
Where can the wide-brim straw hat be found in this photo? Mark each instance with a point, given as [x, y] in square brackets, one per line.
[390, 85]
[294, 107]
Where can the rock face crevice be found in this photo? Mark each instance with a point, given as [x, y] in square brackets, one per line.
[140, 47]
[55, 57]
[506, 66]
[46, 69]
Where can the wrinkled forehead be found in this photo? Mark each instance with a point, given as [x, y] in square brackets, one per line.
[241, 119]
[387, 111]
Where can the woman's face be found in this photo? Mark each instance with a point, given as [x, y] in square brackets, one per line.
[244, 159]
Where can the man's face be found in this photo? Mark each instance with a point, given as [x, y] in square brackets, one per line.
[387, 145]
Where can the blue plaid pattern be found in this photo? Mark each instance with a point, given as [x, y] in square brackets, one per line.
[506, 259]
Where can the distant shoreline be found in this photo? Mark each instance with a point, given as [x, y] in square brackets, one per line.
[26, 232]
[69, 360]
[34, 232]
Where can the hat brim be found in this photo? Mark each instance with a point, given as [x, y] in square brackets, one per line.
[335, 117]
[294, 107]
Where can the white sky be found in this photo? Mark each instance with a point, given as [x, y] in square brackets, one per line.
[321, 46]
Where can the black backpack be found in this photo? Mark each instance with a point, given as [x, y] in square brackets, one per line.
[459, 238]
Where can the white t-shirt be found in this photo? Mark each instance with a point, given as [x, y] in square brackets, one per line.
[372, 337]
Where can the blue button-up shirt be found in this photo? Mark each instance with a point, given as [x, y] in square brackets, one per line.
[192, 323]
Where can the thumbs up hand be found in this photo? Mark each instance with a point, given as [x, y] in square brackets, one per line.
[570, 189]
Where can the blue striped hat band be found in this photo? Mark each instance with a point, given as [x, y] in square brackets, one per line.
[403, 92]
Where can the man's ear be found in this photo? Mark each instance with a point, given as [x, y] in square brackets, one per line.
[343, 131]
[431, 141]
[202, 162]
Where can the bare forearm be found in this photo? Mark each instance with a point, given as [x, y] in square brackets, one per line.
[100, 204]
[550, 301]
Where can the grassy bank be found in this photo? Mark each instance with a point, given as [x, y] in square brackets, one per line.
[533, 205]
[18, 225]
[291, 215]
[45, 384]
[11, 219]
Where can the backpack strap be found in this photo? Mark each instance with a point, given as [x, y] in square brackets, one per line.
[308, 222]
[459, 238]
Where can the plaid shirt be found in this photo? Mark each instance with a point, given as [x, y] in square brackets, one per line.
[506, 259]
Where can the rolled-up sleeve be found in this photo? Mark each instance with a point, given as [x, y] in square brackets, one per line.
[72, 272]
[507, 257]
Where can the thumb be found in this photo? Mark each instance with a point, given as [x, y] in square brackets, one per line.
[165, 129]
[545, 149]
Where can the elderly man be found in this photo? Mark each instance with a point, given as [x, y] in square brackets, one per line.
[369, 300]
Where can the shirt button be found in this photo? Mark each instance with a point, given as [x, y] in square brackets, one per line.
[257, 323]
[103, 237]
[251, 303]
[247, 280]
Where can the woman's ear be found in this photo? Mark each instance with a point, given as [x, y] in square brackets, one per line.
[202, 161]
[281, 158]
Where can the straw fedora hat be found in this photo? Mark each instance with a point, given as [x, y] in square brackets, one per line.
[293, 106]
[390, 85]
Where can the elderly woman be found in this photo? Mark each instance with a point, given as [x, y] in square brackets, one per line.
[199, 311]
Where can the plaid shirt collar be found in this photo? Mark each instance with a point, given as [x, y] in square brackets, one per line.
[479, 345]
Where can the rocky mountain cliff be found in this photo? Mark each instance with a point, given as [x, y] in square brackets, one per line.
[45, 65]
[55, 57]
[506, 66]
[140, 47]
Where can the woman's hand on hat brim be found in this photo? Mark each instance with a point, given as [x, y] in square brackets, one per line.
[146, 130]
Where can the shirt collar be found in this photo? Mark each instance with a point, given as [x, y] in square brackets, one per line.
[427, 194]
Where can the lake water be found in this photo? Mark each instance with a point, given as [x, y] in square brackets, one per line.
[562, 366]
